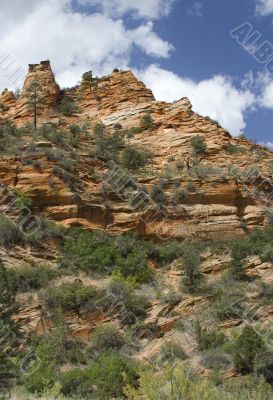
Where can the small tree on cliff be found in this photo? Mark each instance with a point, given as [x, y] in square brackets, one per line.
[34, 99]
[87, 80]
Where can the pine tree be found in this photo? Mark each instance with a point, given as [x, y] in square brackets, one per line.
[34, 97]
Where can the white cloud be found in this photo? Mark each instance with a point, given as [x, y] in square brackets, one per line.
[216, 97]
[196, 10]
[264, 7]
[152, 9]
[74, 42]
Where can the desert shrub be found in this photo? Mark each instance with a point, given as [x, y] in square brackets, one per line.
[198, 145]
[207, 338]
[264, 366]
[22, 201]
[10, 232]
[28, 278]
[232, 149]
[131, 306]
[134, 158]
[267, 254]
[246, 348]
[171, 350]
[240, 250]
[228, 300]
[68, 107]
[191, 188]
[97, 252]
[269, 216]
[266, 291]
[134, 131]
[216, 360]
[158, 195]
[107, 145]
[75, 129]
[105, 337]
[105, 379]
[72, 296]
[147, 122]
[192, 275]
[181, 195]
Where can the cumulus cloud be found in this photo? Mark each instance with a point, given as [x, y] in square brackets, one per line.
[152, 9]
[264, 7]
[73, 41]
[216, 97]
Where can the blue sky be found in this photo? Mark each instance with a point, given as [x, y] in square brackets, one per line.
[177, 47]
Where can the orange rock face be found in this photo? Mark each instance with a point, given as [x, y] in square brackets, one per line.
[218, 205]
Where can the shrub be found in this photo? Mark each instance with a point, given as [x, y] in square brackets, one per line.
[158, 195]
[267, 254]
[240, 250]
[72, 296]
[207, 338]
[106, 337]
[191, 188]
[131, 306]
[198, 145]
[104, 380]
[171, 350]
[228, 300]
[147, 122]
[22, 201]
[246, 348]
[68, 107]
[107, 145]
[133, 158]
[27, 278]
[10, 232]
[216, 361]
[231, 149]
[98, 252]
[192, 276]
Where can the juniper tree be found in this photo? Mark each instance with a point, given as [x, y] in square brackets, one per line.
[87, 80]
[34, 97]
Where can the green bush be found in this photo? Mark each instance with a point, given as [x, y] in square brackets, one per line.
[106, 337]
[10, 232]
[134, 158]
[192, 276]
[246, 348]
[131, 306]
[267, 255]
[32, 278]
[107, 145]
[105, 379]
[158, 195]
[147, 122]
[207, 338]
[72, 296]
[240, 250]
[198, 145]
[97, 252]
[68, 107]
[22, 201]
[171, 350]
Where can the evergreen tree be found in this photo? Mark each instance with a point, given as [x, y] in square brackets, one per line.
[87, 80]
[247, 347]
[34, 99]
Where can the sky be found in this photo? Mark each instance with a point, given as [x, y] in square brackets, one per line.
[216, 52]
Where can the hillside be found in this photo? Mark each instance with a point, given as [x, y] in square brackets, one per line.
[136, 242]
